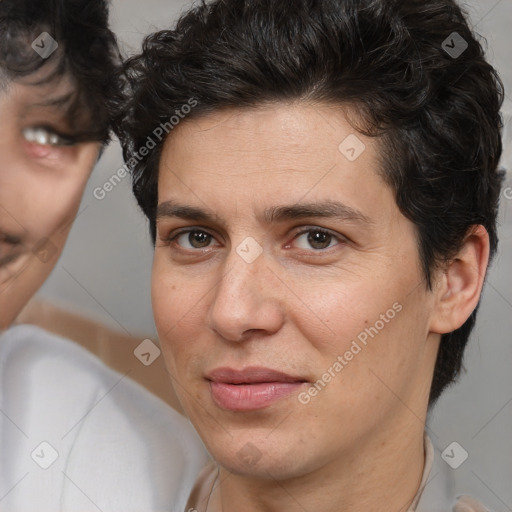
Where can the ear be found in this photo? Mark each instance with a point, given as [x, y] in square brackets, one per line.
[459, 286]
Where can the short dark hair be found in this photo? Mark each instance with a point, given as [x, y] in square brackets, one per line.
[87, 53]
[437, 113]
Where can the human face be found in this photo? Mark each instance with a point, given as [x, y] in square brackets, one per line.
[329, 255]
[42, 177]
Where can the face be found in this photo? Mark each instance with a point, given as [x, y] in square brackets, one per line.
[287, 290]
[42, 177]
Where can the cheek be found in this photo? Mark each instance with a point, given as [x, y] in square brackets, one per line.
[68, 188]
[373, 357]
[179, 309]
[178, 306]
[170, 296]
[59, 202]
[354, 327]
[45, 199]
[19, 282]
[334, 313]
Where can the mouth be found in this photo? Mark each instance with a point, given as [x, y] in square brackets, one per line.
[252, 388]
[11, 248]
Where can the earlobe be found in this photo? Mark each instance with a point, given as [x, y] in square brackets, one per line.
[459, 286]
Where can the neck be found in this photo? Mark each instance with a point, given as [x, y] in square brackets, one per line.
[384, 469]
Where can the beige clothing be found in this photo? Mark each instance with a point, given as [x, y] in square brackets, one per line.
[434, 494]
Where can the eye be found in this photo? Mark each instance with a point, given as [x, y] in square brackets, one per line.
[317, 239]
[193, 239]
[45, 136]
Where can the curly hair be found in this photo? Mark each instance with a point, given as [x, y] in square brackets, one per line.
[87, 53]
[436, 113]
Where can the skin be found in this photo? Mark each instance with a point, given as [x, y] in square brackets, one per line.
[298, 306]
[40, 187]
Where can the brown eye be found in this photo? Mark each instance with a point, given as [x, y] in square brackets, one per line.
[319, 239]
[199, 239]
[194, 239]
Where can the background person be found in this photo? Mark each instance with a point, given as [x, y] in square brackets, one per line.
[74, 435]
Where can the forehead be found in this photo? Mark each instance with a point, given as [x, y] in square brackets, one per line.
[288, 125]
[274, 154]
[269, 140]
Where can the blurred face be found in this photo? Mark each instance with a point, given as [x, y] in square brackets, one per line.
[42, 177]
[287, 291]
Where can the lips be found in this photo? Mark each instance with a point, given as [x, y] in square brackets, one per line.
[252, 388]
[11, 248]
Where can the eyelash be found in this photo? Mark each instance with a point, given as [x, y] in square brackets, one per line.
[174, 236]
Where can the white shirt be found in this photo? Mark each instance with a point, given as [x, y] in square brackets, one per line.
[107, 443]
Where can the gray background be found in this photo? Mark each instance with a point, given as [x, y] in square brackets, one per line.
[105, 273]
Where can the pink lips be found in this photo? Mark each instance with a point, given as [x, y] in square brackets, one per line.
[250, 389]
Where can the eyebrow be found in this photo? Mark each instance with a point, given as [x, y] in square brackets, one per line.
[327, 209]
[55, 101]
[276, 214]
[171, 209]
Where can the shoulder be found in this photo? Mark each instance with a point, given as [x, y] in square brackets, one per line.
[113, 442]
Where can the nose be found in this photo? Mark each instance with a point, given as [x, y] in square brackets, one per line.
[246, 300]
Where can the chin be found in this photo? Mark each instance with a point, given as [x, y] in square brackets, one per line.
[253, 454]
